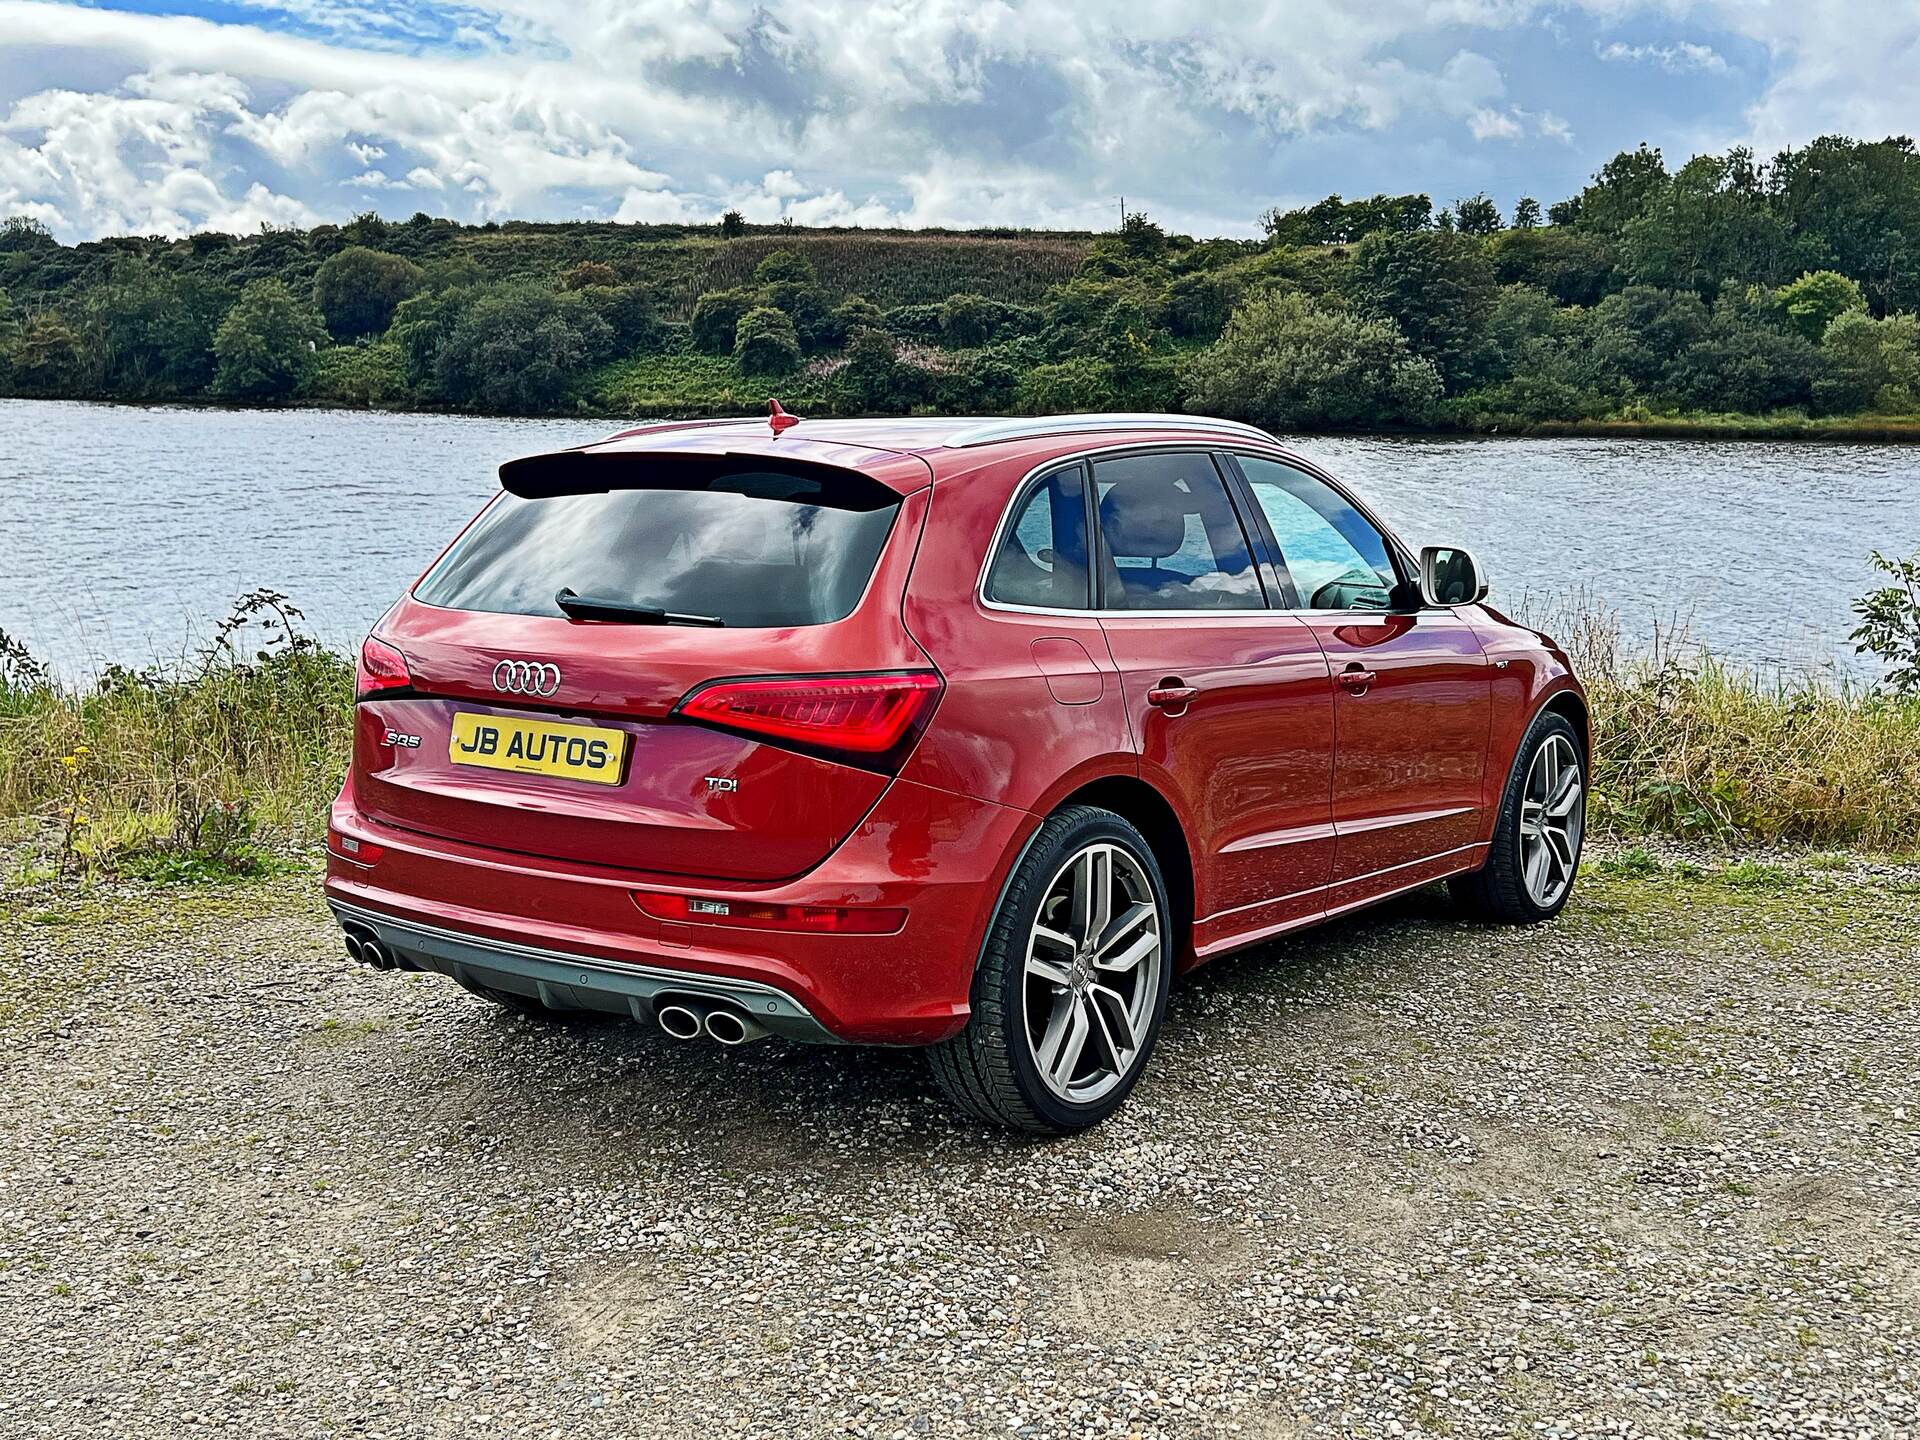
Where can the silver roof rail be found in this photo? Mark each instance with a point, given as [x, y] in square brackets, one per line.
[992, 432]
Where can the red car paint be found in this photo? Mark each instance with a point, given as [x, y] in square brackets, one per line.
[1286, 764]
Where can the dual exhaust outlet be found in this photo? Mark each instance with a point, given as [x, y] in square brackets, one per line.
[688, 1019]
[369, 951]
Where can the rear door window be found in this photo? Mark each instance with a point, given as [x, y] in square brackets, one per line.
[1170, 537]
[1042, 560]
[746, 549]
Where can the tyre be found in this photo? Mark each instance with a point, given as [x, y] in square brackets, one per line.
[1535, 853]
[1072, 981]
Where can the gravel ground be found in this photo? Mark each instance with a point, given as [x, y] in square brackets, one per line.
[1653, 1170]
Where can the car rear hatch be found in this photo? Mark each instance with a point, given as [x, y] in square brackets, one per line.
[725, 692]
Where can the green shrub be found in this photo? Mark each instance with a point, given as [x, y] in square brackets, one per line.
[517, 348]
[785, 267]
[358, 290]
[716, 319]
[356, 375]
[265, 345]
[1817, 299]
[765, 343]
[1287, 362]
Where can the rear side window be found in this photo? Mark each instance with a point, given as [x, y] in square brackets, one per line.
[747, 549]
[1172, 539]
[1043, 555]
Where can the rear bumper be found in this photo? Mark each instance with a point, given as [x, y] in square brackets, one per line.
[575, 982]
[518, 922]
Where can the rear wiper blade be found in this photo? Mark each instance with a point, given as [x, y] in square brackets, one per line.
[589, 607]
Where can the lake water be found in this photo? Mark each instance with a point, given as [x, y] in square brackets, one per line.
[125, 532]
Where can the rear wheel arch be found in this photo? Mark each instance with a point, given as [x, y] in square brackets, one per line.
[1573, 708]
[1153, 815]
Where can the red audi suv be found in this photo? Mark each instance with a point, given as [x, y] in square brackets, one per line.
[960, 734]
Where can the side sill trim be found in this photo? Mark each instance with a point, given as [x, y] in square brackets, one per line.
[630, 987]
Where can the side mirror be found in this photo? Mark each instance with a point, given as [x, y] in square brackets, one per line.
[1450, 575]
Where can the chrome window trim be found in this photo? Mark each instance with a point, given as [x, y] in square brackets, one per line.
[1085, 457]
[992, 432]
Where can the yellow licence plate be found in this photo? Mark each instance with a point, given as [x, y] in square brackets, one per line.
[538, 747]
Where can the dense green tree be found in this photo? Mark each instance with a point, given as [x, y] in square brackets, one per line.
[854, 314]
[1622, 189]
[1564, 212]
[1817, 299]
[1437, 288]
[1745, 365]
[1141, 239]
[517, 348]
[765, 343]
[1856, 209]
[716, 316]
[732, 225]
[1571, 265]
[420, 329]
[1476, 215]
[149, 331]
[1709, 224]
[968, 320]
[807, 305]
[1526, 213]
[1287, 362]
[358, 289]
[629, 312]
[867, 378]
[266, 343]
[1641, 331]
[1334, 221]
[48, 357]
[23, 232]
[1870, 365]
[1197, 305]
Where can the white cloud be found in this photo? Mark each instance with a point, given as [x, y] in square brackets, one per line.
[1485, 124]
[1683, 56]
[939, 112]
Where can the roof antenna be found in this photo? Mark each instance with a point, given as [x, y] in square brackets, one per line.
[779, 419]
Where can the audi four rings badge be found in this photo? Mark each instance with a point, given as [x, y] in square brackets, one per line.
[526, 677]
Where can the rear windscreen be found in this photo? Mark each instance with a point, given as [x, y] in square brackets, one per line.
[744, 549]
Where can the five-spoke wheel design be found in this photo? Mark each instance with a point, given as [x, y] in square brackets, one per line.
[1072, 982]
[1551, 820]
[1092, 974]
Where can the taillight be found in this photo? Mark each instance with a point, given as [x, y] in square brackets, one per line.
[381, 668]
[871, 717]
[758, 915]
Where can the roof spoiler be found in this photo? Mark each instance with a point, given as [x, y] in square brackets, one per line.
[595, 472]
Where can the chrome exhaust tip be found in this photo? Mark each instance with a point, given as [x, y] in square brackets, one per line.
[679, 1021]
[375, 954]
[730, 1027]
[354, 950]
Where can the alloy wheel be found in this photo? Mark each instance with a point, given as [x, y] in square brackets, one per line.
[1552, 819]
[1092, 972]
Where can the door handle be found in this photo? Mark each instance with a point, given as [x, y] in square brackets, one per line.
[1356, 679]
[1172, 696]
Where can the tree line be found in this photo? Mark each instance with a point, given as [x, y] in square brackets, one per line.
[1727, 286]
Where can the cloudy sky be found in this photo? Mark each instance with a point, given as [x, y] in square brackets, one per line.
[176, 115]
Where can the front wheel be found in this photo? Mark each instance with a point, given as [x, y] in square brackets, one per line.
[1536, 838]
[1072, 982]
